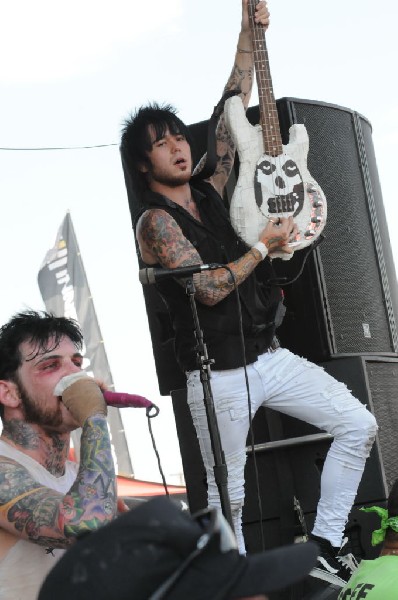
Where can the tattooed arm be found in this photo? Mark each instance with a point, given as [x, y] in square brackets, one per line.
[241, 78]
[49, 518]
[161, 241]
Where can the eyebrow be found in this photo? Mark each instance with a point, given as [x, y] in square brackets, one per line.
[44, 358]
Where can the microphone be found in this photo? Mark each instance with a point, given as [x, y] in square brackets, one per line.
[122, 400]
[151, 275]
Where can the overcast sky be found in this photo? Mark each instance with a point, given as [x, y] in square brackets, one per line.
[71, 72]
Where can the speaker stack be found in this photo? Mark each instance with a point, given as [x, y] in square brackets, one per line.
[341, 313]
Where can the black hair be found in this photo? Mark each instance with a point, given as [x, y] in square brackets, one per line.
[43, 329]
[136, 139]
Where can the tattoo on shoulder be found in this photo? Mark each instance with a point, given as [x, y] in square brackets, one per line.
[15, 481]
[163, 237]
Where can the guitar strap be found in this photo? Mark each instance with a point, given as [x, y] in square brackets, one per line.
[211, 153]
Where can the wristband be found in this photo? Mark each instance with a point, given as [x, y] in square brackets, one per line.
[262, 248]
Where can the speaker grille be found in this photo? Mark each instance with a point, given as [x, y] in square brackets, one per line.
[383, 383]
[354, 292]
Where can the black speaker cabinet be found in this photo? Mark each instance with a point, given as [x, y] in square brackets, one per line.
[346, 299]
[170, 377]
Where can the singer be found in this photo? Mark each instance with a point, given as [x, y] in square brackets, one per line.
[47, 500]
[184, 223]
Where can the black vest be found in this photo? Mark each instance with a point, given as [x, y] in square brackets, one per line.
[216, 242]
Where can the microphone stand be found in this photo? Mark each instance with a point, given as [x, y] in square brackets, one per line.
[220, 468]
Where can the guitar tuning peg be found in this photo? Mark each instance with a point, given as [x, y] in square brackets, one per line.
[316, 219]
[317, 204]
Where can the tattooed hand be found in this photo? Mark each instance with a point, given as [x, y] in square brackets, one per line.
[278, 233]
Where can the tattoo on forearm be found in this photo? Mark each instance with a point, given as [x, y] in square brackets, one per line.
[225, 149]
[92, 498]
[214, 286]
[240, 79]
[165, 239]
[50, 518]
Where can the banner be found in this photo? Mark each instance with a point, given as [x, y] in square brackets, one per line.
[65, 292]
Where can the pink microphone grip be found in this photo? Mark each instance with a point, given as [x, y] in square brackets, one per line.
[121, 400]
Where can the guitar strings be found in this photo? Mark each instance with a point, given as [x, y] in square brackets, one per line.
[269, 121]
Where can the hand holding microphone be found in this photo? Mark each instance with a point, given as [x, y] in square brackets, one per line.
[84, 399]
[82, 396]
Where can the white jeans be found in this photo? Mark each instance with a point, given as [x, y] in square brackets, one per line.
[290, 384]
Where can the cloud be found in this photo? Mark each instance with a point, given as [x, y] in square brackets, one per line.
[48, 40]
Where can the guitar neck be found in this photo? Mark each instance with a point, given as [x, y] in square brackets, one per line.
[268, 112]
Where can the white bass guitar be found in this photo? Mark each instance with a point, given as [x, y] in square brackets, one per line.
[273, 178]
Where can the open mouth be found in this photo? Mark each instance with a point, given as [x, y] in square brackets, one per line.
[180, 161]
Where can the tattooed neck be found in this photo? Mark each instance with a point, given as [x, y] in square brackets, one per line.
[187, 202]
[190, 206]
[49, 450]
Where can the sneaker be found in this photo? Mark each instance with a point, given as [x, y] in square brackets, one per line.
[333, 566]
[347, 558]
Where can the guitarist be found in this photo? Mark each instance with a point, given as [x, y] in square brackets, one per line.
[184, 225]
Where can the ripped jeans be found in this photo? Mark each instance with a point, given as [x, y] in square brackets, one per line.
[289, 384]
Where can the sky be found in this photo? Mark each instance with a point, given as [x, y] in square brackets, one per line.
[72, 72]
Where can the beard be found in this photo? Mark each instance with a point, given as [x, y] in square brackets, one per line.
[163, 177]
[36, 415]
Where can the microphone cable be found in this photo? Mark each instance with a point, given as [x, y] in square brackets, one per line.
[283, 281]
[249, 404]
[149, 417]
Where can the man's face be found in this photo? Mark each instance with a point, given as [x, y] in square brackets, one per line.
[170, 160]
[36, 379]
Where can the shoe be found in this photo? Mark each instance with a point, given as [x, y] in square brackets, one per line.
[347, 558]
[333, 565]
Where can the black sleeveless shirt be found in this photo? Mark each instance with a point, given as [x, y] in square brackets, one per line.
[216, 242]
